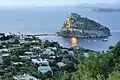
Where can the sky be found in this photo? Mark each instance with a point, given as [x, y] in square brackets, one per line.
[44, 3]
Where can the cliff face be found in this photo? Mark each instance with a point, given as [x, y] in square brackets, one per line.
[78, 26]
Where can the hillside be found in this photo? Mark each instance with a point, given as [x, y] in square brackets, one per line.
[79, 26]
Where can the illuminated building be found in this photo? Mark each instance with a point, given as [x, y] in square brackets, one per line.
[73, 41]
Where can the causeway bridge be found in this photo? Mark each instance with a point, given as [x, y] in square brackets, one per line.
[43, 35]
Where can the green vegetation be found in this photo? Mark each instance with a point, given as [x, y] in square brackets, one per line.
[90, 28]
[100, 66]
[85, 23]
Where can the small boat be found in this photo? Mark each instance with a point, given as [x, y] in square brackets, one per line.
[104, 40]
[19, 20]
[94, 40]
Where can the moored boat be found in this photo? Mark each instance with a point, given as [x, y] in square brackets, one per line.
[105, 40]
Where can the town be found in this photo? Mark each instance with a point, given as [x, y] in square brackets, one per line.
[25, 57]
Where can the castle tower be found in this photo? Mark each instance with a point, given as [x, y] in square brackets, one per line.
[69, 22]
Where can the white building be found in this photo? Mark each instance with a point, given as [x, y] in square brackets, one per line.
[9, 34]
[5, 55]
[4, 50]
[25, 42]
[26, 57]
[40, 61]
[17, 63]
[29, 53]
[36, 47]
[48, 51]
[61, 64]
[53, 48]
[25, 77]
[71, 53]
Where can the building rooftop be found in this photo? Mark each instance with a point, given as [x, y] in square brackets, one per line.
[5, 55]
[61, 64]
[25, 77]
[29, 53]
[4, 50]
[40, 61]
[48, 51]
[44, 69]
[17, 63]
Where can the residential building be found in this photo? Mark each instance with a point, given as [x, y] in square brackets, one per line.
[61, 64]
[26, 57]
[4, 50]
[44, 69]
[40, 61]
[29, 53]
[17, 63]
[71, 53]
[25, 77]
[5, 55]
[48, 51]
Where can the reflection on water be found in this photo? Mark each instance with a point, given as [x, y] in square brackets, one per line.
[73, 41]
[94, 44]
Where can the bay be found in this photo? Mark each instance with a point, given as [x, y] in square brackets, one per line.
[49, 20]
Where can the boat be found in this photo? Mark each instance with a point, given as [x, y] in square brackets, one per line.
[105, 40]
[95, 40]
[19, 20]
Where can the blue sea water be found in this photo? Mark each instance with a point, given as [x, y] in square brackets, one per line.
[40, 20]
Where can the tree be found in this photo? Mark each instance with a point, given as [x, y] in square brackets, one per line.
[111, 47]
[3, 43]
[47, 44]
[16, 41]
[34, 38]
[7, 76]
[26, 45]
[114, 76]
[55, 44]
[49, 74]
[6, 62]
[1, 46]
[62, 76]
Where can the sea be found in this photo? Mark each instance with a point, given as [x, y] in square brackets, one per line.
[50, 20]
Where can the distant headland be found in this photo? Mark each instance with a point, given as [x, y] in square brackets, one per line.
[106, 10]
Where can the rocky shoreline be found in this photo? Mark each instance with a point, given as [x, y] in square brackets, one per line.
[78, 26]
